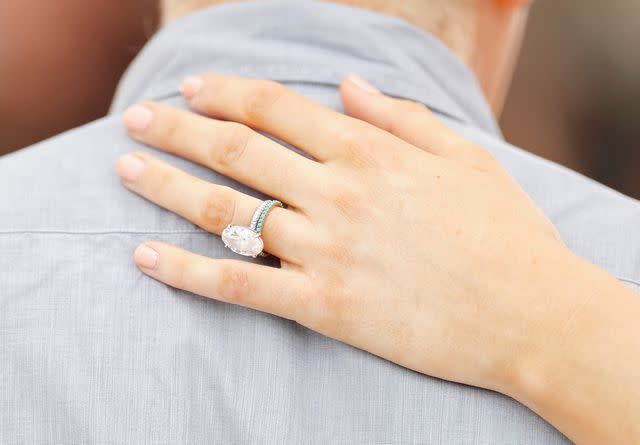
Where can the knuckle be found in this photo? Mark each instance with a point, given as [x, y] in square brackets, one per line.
[230, 145]
[359, 145]
[233, 285]
[218, 210]
[170, 126]
[260, 99]
[162, 179]
[350, 140]
[349, 201]
[333, 307]
[180, 271]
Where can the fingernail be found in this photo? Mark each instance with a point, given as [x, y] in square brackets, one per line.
[146, 257]
[363, 84]
[130, 167]
[137, 118]
[190, 86]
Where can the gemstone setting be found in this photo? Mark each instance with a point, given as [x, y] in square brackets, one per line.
[242, 240]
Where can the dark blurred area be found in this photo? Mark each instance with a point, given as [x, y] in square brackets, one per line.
[60, 61]
[575, 97]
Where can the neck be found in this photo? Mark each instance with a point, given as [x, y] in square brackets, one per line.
[451, 22]
[480, 37]
[446, 21]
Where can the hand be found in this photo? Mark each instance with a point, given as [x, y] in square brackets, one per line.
[419, 250]
[400, 237]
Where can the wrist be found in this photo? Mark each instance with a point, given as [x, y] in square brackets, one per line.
[575, 367]
[551, 286]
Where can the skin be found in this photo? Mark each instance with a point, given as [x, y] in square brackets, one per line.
[444, 296]
[485, 34]
[500, 27]
[475, 287]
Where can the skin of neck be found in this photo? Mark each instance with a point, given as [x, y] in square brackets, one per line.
[485, 34]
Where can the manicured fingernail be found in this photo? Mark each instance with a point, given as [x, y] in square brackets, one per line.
[130, 167]
[363, 84]
[146, 257]
[190, 86]
[137, 118]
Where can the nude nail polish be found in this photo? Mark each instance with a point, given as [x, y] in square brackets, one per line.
[363, 84]
[137, 118]
[130, 167]
[191, 86]
[146, 257]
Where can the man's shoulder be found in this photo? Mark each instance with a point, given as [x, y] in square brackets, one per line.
[40, 184]
[68, 184]
[596, 222]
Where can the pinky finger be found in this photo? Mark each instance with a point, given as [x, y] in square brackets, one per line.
[267, 289]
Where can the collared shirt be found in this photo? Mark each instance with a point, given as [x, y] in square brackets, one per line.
[93, 351]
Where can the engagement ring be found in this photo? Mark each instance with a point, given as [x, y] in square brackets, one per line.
[247, 241]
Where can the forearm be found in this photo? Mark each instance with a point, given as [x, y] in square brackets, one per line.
[586, 382]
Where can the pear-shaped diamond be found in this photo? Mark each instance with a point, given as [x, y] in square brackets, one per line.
[242, 240]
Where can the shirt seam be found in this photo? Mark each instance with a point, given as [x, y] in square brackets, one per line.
[103, 232]
[172, 232]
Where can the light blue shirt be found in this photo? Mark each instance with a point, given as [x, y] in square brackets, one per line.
[93, 351]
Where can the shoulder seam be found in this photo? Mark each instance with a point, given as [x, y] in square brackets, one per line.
[103, 232]
[173, 232]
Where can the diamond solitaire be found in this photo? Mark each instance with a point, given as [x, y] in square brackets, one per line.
[242, 240]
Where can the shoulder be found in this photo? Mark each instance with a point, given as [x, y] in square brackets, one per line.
[64, 183]
[68, 184]
[596, 222]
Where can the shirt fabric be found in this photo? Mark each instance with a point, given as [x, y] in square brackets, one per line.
[93, 351]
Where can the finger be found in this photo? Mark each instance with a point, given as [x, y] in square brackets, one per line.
[229, 148]
[410, 121]
[211, 206]
[280, 292]
[268, 106]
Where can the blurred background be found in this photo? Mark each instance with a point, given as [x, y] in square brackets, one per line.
[575, 98]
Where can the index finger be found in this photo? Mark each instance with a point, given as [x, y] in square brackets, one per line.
[270, 107]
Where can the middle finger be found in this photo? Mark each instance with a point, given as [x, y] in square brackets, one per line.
[229, 148]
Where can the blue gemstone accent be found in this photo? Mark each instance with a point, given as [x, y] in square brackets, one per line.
[263, 215]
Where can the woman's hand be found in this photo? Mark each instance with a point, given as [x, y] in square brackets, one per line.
[420, 250]
[400, 237]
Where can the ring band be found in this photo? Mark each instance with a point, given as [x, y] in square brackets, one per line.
[263, 215]
[247, 241]
[268, 205]
[257, 213]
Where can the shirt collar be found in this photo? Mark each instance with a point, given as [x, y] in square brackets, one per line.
[307, 42]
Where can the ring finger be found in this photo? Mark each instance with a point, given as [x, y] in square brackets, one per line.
[210, 206]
